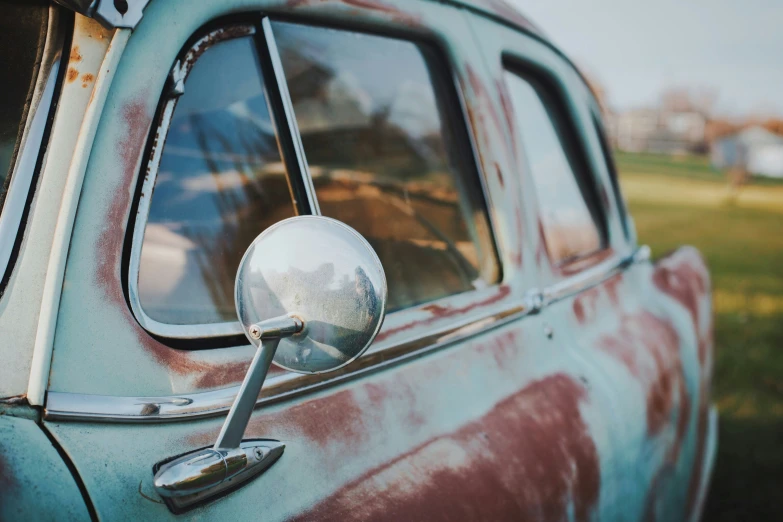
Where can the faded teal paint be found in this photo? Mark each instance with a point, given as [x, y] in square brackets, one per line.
[35, 484]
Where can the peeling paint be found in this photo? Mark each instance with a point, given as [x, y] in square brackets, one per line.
[530, 458]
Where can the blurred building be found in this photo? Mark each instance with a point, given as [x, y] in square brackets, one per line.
[659, 131]
[754, 149]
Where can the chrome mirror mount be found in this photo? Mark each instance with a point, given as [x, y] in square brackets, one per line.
[310, 294]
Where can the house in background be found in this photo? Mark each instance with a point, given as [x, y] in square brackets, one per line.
[754, 149]
[659, 131]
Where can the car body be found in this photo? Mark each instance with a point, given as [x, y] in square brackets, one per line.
[534, 363]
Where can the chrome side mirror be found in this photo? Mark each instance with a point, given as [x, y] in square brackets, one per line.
[311, 294]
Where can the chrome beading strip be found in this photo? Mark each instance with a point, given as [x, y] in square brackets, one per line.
[84, 407]
[101, 408]
[593, 276]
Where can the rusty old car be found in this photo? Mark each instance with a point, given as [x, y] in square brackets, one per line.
[401, 217]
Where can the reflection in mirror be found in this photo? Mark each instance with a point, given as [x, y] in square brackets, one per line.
[220, 183]
[324, 273]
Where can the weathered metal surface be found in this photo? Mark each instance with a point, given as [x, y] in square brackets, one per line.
[21, 300]
[35, 484]
[50, 300]
[597, 407]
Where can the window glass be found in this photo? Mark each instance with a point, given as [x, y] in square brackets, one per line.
[220, 183]
[22, 35]
[609, 160]
[382, 141]
[570, 228]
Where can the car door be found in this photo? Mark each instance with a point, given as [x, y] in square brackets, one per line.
[221, 119]
[623, 315]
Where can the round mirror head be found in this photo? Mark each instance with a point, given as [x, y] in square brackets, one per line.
[326, 274]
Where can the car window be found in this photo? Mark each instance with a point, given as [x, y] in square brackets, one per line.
[612, 168]
[22, 35]
[220, 182]
[571, 228]
[378, 124]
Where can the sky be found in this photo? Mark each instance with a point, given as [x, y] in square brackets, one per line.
[636, 49]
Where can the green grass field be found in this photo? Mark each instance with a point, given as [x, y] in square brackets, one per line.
[683, 201]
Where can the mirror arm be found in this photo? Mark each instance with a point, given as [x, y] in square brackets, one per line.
[197, 476]
[269, 332]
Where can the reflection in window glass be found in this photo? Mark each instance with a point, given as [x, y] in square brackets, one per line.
[379, 144]
[220, 183]
[570, 229]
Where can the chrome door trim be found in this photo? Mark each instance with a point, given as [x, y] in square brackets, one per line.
[84, 407]
[29, 150]
[101, 408]
[593, 276]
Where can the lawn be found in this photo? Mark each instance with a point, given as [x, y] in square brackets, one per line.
[683, 201]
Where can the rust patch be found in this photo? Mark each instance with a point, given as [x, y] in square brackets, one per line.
[218, 35]
[484, 99]
[503, 348]
[75, 57]
[109, 247]
[346, 421]
[687, 281]
[508, 112]
[108, 253]
[499, 174]
[541, 248]
[530, 457]
[87, 78]
[516, 257]
[611, 286]
[583, 263]
[71, 75]
[585, 304]
[218, 375]
[439, 312]
[17, 400]
[650, 348]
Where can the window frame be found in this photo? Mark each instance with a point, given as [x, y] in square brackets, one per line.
[556, 102]
[230, 333]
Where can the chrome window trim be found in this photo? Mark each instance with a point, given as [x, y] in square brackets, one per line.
[64, 406]
[289, 115]
[23, 172]
[178, 76]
